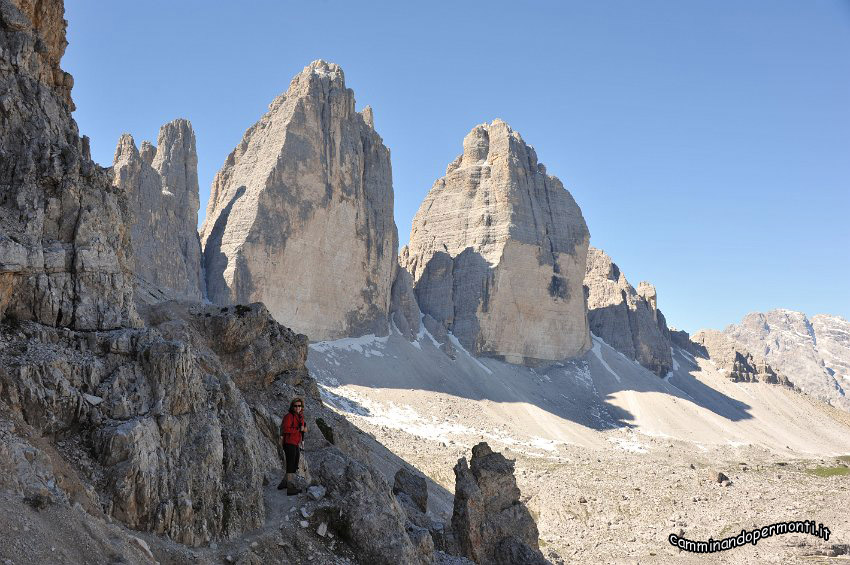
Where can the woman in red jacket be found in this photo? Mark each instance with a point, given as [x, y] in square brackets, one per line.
[292, 429]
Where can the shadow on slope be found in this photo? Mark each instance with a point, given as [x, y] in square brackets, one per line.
[584, 390]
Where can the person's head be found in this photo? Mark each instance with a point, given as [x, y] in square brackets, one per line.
[296, 406]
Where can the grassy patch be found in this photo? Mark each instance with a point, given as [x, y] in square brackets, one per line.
[829, 471]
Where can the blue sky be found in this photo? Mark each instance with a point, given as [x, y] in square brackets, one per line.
[707, 143]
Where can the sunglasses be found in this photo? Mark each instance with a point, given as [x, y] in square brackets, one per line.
[298, 405]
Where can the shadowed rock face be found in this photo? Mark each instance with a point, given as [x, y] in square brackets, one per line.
[626, 319]
[161, 184]
[497, 253]
[404, 310]
[307, 198]
[490, 523]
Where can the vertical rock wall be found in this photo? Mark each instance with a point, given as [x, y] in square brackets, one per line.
[161, 184]
[301, 214]
[497, 252]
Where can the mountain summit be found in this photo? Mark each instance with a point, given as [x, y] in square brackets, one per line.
[497, 252]
[300, 216]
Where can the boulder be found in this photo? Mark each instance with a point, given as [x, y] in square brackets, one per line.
[307, 197]
[360, 506]
[497, 253]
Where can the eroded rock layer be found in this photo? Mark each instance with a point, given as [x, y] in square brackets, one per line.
[161, 184]
[626, 319]
[736, 360]
[301, 214]
[497, 253]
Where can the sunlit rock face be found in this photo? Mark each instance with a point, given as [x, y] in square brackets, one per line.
[161, 184]
[301, 214]
[497, 253]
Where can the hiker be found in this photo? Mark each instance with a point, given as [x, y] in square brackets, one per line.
[292, 429]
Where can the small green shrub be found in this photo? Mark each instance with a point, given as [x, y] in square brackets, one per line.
[829, 471]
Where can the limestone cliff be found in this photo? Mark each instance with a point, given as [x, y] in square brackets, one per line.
[301, 214]
[626, 319]
[497, 253]
[64, 247]
[161, 184]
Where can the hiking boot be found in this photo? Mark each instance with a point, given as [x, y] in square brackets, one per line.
[292, 490]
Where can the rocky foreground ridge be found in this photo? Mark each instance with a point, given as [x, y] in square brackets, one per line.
[133, 429]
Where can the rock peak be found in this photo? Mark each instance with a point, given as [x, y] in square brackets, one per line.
[300, 216]
[126, 147]
[499, 245]
[320, 75]
[161, 184]
[626, 318]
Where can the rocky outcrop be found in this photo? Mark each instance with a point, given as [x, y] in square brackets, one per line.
[307, 197]
[64, 247]
[156, 405]
[161, 184]
[739, 364]
[816, 352]
[363, 510]
[412, 485]
[490, 523]
[497, 253]
[626, 319]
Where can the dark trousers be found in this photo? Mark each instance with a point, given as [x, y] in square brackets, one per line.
[292, 452]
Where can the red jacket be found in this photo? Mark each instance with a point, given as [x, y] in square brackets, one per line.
[290, 428]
